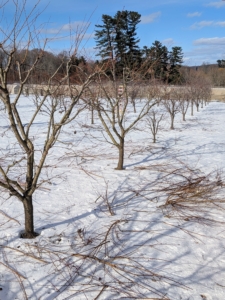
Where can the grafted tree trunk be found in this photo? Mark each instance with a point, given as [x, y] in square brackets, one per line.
[172, 121]
[121, 155]
[197, 105]
[134, 105]
[92, 114]
[192, 108]
[29, 219]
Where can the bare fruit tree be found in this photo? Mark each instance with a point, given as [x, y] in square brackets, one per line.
[23, 156]
[135, 93]
[153, 122]
[184, 101]
[113, 110]
[91, 97]
[171, 99]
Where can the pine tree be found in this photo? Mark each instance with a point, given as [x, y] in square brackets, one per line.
[105, 38]
[127, 47]
[159, 60]
[116, 39]
[221, 63]
[176, 59]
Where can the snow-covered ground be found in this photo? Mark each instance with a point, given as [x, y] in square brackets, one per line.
[153, 231]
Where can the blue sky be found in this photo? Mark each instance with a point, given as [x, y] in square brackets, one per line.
[198, 26]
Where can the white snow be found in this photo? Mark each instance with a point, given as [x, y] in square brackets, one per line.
[153, 250]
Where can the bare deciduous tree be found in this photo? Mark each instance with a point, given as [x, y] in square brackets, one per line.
[134, 93]
[153, 122]
[184, 101]
[113, 111]
[171, 103]
[91, 98]
[22, 164]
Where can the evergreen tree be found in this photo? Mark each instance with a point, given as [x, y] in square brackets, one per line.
[221, 63]
[146, 58]
[116, 39]
[159, 60]
[105, 37]
[176, 59]
[161, 64]
[120, 40]
[127, 47]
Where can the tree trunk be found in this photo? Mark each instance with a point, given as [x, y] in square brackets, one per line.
[134, 106]
[29, 232]
[92, 114]
[192, 108]
[172, 122]
[197, 105]
[183, 116]
[121, 156]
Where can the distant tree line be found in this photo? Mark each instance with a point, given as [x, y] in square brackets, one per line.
[49, 64]
[221, 63]
[117, 41]
[212, 73]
